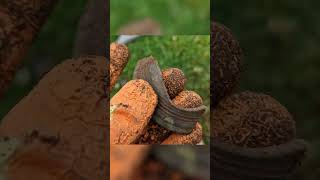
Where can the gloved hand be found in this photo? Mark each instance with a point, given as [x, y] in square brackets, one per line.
[132, 107]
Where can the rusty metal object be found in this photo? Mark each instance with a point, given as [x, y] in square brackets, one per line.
[168, 115]
[268, 163]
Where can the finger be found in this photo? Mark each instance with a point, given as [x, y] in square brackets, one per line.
[119, 56]
[174, 80]
[186, 99]
[193, 138]
[130, 111]
[156, 134]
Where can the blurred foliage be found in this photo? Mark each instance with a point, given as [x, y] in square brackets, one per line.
[176, 17]
[52, 45]
[191, 54]
[281, 41]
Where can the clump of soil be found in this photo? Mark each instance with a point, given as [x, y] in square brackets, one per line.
[154, 169]
[174, 81]
[225, 62]
[252, 120]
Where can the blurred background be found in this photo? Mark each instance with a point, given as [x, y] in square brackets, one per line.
[53, 45]
[175, 17]
[281, 43]
[191, 54]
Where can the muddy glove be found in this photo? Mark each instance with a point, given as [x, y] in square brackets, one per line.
[132, 111]
[60, 125]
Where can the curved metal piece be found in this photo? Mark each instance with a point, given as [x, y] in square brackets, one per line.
[177, 119]
[269, 163]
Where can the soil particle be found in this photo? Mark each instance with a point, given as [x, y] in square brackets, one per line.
[252, 120]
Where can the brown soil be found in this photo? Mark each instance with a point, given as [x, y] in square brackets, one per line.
[131, 109]
[68, 110]
[252, 120]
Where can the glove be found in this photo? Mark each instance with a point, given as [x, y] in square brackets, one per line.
[132, 108]
[59, 130]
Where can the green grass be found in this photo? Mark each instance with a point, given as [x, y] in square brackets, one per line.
[189, 53]
[176, 17]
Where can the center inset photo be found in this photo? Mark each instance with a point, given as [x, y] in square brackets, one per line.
[160, 89]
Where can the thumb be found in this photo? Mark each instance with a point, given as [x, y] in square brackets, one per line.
[130, 111]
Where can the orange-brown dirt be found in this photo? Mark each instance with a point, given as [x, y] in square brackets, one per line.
[130, 111]
[67, 112]
[119, 56]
